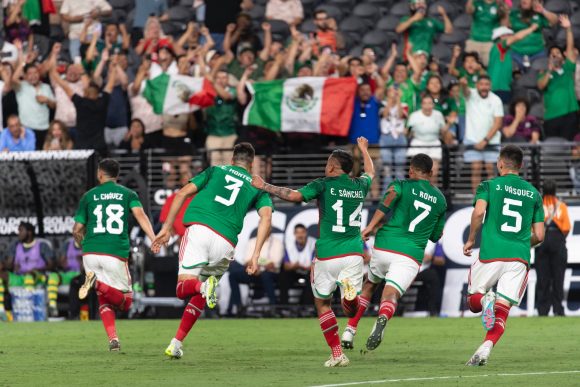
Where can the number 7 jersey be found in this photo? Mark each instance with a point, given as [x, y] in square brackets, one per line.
[104, 210]
[418, 215]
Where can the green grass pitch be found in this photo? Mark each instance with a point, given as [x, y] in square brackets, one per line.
[287, 353]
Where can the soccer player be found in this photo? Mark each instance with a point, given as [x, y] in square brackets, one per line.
[417, 215]
[339, 250]
[511, 207]
[214, 218]
[102, 228]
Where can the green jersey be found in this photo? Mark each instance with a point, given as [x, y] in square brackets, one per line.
[471, 78]
[418, 215]
[104, 210]
[513, 205]
[422, 32]
[534, 42]
[560, 95]
[500, 66]
[340, 203]
[225, 195]
[485, 19]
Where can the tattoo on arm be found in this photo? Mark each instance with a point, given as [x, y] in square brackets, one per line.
[281, 192]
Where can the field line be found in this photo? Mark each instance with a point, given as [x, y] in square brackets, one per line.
[447, 377]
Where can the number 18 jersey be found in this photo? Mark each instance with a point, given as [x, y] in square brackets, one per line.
[513, 205]
[225, 195]
[418, 215]
[104, 210]
[340, 202]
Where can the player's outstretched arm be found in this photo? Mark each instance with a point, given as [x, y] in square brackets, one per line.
[283, 193]
[145, 224]
[370, 228]
[79, 233]
[363, 145]
[476, 221]
[264, 227]
[538, 232]
[163, 236]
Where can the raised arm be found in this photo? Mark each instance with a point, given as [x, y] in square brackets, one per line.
[264, 228]
[363, 145]
[551, 16]
[404, 26]
[227, 44]
[125, 37]
[288, 194]
[446, 20]
[390, 62]
[476, 222]
[521, 34]
[464, 87]
[241, 88]
[570, 51]
[453, 62]
[469, 8]
[15, 10]
[57, 80]
[265, 53]
[111, 79]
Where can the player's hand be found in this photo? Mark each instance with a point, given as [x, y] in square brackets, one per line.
[258, 182]
[253, 268]
[468, 248]
[367, 232]
[363, 143]
[161, 239]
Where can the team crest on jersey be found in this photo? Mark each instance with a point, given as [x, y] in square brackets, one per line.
[302, 99]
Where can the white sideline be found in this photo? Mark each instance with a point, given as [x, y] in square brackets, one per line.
[447, 377]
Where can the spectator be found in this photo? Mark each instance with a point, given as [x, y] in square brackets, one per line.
[35, 99]
[393, 141]
[532, 46]
[296, 265]
[244, 34]
[486, 15]
[326, 34]
[144, 9]
[134, 139]
[269, 266]
[17, 27]
[117, 122]
[400, 80]
[519, 125]
[426, 127]
[153, 37]
[500, 60]
[69, 267]
[419, 29]
[114, 39]
[552, 255]
[455, 108]
[418, 62]
[57, 137]
[5, 88]
[221, 121]
[142, 110]
[218, 14]
[429, 275]
[8, 51]
[557, 84]
[471, 69]
[575, 167]
[76, 12]
[484, 116]
[289, 11]
[246, 56]
[17, 138]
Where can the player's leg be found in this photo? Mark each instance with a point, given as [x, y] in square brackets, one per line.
[193, 254]
[480, 298]
[350, 279]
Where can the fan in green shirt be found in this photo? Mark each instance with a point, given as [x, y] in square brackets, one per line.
[527, 14]
[486, 16]
[471, 69]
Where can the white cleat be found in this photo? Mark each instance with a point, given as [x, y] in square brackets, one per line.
[350, 292]
[174, 350]
[90, 279]
[341, 361]
[488, 310]
[347, 340]
[481, 356]
[209, 291]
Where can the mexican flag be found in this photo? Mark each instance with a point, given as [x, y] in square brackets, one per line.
[307, 105]
[178, 94]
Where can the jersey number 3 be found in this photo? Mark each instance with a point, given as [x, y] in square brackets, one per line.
[114, 222]
[235, 186]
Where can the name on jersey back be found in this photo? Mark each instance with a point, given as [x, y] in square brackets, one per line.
[515, 191]
[108, 196]
[237, 173]
[345, 193]
[425, 196]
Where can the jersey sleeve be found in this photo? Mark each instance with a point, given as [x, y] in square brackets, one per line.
[438, 25]
[539, 215]
[391, 197]
[367, 181]
[201, 180]
[438, 230]
[81, 214]
[311, 190]
[134, 200]
[482, 192]
[264, 200]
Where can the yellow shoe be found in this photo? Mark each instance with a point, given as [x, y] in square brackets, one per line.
[174, 350]
[208, 291]
[350, 292]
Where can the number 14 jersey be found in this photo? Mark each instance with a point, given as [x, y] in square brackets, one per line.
[225, 195]
[418, 215]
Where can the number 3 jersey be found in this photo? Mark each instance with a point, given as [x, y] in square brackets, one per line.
[418, 215]
[225, 195]
[104, 210]
[340, 202]
[513, 205]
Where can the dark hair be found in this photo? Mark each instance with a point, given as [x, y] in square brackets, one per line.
[426, 95]
[28, 227]
[299, 225]
[344, 159]
[355, 58]
[484, 76]
[515, 101]
[244, 153]
[94, 85]
[512, 155]
[139, 121]
[29, 66]
[555, 46]
[472, 54]
[110, 167]
[319, 11]
[550, 187]
[422, 163]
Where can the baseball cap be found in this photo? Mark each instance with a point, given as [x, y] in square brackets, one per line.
[501, 31]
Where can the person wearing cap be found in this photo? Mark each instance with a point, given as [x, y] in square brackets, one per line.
[486, 15]
[500, 59]
[552, 255]
[246, 55]
[419, 29]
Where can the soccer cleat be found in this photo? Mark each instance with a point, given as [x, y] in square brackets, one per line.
[341, 361]
[114, 345]
[174, 350]
[347, 340]
[350, 292]
[481, 356]
[208, 291]
[488, 313]
[90, 279]
[377, 333]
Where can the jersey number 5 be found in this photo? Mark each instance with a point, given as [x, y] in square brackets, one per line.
[506, 211]
[426, 210]
[114, 222]
[354, 219]
[235, 186]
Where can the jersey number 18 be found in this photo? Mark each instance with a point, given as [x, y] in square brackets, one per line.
[114, 222]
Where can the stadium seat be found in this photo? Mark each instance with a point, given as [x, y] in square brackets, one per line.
[308, 6]
[307, 26]
[540, 64]
[537, 110]
[43, 44]
[456, 37]
[441, 52]
[388, 23]
[558, 6]
[400, 9]
[378, 38]
[123, 4]
[561, 36]
[575, 18]
[449, 8]
[528, 80]
[257, 12]
[367, 11]
[447, 79]
[173, 28]
[259, 2]
[332, 11]
[181, 14]
[462, 22]
[381, 3]
[280, 27]
[534, 96]
[344, 5]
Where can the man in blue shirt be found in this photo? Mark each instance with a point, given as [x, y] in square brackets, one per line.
[16, 138]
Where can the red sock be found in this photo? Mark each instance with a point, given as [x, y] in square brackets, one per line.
[501, 314]
[329, 327]
[350, 307]
[363, 304]
[188, 288]
[474, 302]
[190, 315]
[108, 317]
[115, 297]
[387, 309]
